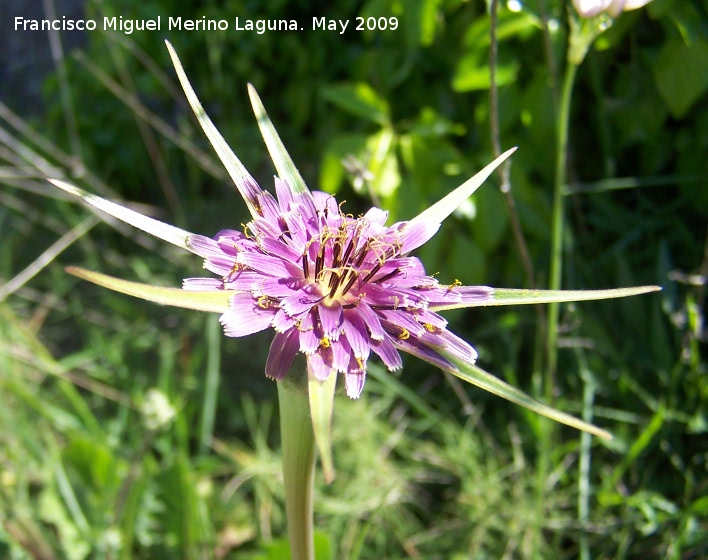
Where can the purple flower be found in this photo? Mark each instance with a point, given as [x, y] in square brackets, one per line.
[333, 286]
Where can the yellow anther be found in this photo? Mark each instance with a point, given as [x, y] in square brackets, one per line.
[325, 343]
[454, 285]
[428, 327]
[404, 334]
[263, 302]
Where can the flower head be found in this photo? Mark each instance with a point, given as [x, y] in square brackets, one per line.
[333, 286]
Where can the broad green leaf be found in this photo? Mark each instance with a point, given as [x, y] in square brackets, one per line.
[510, 296]
[216, 301]
[360, 100]
[484, 380]
[245, 184]
[447, 205]
[681, 74]
[281, 159]
[321, 409]
[159, 229]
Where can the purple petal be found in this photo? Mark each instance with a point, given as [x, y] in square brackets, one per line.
[245, 317]
[341, 353]
[275, 287]
[284, 194]
[265, 264]
[356, 334]
[371, 320]
[222, 265]
[282, 321]
[331, 317]
[300, 302]
[475, 293]
[354, 383]
[388, 354]
[376, 218]
[269, 207]
[318, 367]
[203, 246]
[402, 320]
[416, 234]
[393, 297]
[279, 249]
[202, 284]
[425, 353]
[282, 353]
[309, 341]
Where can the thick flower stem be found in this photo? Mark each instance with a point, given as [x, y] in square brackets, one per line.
[298, 445]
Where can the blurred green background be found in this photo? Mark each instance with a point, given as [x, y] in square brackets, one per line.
[113, 442]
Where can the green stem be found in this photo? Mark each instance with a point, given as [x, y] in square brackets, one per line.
[211, 385]
[298, 445]
[589, 388]
[557, 227]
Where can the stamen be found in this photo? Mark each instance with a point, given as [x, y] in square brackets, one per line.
[305, 264]
[453, 285]
[388, 276]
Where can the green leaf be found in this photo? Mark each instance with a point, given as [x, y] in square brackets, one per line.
[216, 301]
[472, 74]
[484, 380]
[159, 229]
[359, 99]
[510, 296]
[321, 409]
[447, 205]
[240, 176]
[681, 74]
[281, 159]
[383, 163]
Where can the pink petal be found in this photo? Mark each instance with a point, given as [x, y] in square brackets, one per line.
[341, 353]
[316, 366]
[371, 320]
[416, 234]
[354, 384]
[282, 321]
[245, 316]
[202, 284]
[300, 302]
[265, 264]
[284, 194]
[356, 334]
[282, 353]
[388, 354]
[331, 317]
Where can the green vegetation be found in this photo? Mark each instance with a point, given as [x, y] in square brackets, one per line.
[130, 430]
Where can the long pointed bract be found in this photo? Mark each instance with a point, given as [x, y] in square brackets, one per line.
[510, 296]
[214, 301]
[243, 180]
[281, 159]
[447, 205]
[484, 380]
[159, 229]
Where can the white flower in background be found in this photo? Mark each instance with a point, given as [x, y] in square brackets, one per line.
[592, 8]
[157, 411]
